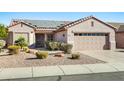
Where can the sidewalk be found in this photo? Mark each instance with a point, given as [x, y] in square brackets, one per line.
[30, 72]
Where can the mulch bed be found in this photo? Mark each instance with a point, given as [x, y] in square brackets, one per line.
[28, 60]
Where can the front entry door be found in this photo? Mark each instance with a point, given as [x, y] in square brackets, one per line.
[39, 40]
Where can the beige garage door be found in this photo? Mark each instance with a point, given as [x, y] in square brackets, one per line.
[91, 41]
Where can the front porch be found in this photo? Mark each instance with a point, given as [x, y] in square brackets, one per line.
[40, 39]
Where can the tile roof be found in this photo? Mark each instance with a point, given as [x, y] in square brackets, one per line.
[43, 23]
[119, 26]
[52, 24]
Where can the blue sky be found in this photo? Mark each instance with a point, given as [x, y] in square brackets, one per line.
[5, 17]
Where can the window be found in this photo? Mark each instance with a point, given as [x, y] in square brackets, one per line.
[75, 34]
[50, 37]
[93, 34]
[85, 34]
[80, 34]
[92, 23]
[90, 34]
[97, 34]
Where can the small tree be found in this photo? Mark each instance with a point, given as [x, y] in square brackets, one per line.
[21, 42]
[3, 31]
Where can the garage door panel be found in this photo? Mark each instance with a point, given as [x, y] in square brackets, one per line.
[91, 42]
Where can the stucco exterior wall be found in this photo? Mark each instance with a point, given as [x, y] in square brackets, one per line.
[61, 36]
[24, 31]
[22, 34]
[32, 39]
[120, 39]
[19, 28]
[86, 27]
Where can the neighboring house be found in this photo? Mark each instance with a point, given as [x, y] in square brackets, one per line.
[88, 33]
[119, 37]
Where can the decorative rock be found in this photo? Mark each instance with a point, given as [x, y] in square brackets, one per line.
[59, 55]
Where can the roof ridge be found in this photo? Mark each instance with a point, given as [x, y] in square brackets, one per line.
[116, 22]
[43, 20]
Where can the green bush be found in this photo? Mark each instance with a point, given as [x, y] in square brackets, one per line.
[3, 31]
[58, 45]
[25, 49]
[66, 48]
[75, 56]
[14, 49]
[28, 51]
[42, 55]
[62, 46]
[52, 45]
[21, 42]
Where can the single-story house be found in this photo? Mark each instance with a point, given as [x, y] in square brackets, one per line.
[87, 33]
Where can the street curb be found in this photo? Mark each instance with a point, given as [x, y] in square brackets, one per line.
[59, 70]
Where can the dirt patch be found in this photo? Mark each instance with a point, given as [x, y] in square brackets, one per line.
[28, 60]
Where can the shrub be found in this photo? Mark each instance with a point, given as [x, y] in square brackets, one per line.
[66, 48]
[58, 45]
[3, 31]
[14, 49]
[42, 55]
[75, 56]
[28, 51]
[21, 42]
[62, 46]
[25, 49]
[52, 45]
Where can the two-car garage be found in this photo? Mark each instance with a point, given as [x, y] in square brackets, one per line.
[91, 41]
[91, 34]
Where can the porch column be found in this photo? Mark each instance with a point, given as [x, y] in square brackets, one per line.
[13, 38]
[45, 39]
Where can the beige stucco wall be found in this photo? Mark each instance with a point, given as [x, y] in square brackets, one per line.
[25, 31]
[59, 36]
[86, 27]
[22, 34]
[120, 39]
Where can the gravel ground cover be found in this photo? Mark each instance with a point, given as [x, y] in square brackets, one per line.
[28, 60]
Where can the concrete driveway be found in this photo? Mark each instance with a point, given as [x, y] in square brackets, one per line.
[107, 55]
